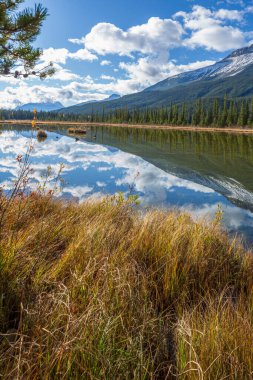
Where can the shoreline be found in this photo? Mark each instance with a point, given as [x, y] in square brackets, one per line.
[235, 130]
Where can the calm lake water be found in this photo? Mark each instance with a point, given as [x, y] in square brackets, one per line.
[197, 172]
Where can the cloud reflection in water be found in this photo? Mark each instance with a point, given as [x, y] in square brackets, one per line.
[91, 169]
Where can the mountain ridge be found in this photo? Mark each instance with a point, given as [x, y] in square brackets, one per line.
[229, 76]
[228, 66]
[43, 106]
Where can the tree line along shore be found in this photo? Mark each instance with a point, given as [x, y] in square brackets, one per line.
[202, 113]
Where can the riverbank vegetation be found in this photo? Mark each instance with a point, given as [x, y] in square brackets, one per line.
[101, 291]
[204, 113]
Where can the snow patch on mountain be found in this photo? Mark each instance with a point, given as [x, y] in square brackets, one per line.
[234, 191]
[229, 66]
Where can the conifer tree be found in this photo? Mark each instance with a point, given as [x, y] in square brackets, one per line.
[250, 120]
[197, 113]
[216, 112]
[224, 114]
[230, 113]
[171, 113]
[202, 117]
[243, 115]
[183, 116]
[209, 117]
[18, 30]
[175, 114]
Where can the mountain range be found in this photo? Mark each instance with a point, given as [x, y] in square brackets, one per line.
[232, 76]
[47, 106]
[56, 106]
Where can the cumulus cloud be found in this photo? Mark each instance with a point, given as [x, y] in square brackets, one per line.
[105, 62]
[209, 28]
[24, 93]
[83, 55]
[107, 77]
[227, 14]
[145, 52]
[61, 55]
[232, 2]
[154, 36]
[219, 38]
[150, 70]
[145, 72]
[62, 74]
[55, 55]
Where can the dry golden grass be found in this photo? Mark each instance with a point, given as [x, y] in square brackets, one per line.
[99, 291]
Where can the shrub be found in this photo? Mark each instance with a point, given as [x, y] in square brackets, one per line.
[41, 134]
[79, 131]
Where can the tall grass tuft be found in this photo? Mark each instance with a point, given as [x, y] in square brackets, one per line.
[99, 291]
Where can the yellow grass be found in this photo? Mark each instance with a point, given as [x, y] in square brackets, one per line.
[99, 291]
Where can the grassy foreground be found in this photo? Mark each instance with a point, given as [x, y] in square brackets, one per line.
[99, 291]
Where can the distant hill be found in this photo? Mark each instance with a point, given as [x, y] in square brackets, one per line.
[232, 76]
[48, 106]
[77, 108]
[112, 97]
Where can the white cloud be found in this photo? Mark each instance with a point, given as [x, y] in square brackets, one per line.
[61, 55]
[154, 36]
[55, 55]
[24, 93]
[219, 38]
[143, 73]
[107, 77]
[209, 28]
[148, 45]
[105, 62]
[79, 192]
[149, 70]
[83, 55]
[227, 14]
[63, 74]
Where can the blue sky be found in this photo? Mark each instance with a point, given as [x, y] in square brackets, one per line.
[100, 47]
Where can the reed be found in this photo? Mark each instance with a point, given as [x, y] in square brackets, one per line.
[99, 291]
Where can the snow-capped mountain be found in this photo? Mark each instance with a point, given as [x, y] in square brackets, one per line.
[232, 76]
[46, 106]
[229, 66]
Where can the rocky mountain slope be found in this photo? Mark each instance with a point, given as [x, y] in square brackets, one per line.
[232, 76]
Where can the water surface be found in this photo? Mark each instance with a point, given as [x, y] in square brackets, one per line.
[192, 171]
